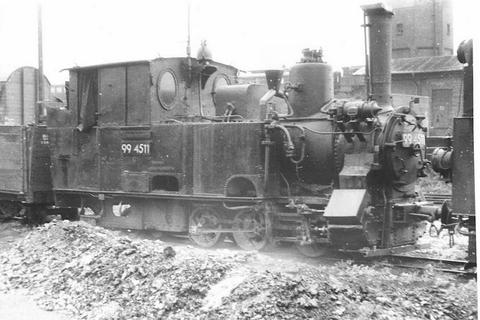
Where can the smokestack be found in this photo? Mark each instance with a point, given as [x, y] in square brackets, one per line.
[379, 22]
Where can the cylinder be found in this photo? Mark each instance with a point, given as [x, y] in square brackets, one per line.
[312, 87]
[380, 48]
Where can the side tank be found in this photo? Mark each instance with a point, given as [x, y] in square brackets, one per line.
[311, 84]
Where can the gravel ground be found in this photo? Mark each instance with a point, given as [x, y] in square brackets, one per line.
[88, 272]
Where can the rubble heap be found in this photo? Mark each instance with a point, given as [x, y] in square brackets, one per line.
[93, 273]
[90, 271]
[347, 291]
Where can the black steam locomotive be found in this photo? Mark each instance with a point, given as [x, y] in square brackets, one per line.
[177, 145]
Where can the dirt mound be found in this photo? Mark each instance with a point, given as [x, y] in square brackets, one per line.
[94, 273]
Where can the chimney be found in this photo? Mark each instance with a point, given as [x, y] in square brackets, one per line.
[379, 22]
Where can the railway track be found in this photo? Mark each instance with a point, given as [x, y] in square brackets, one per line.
[438, 198]
[457, 267]
[400, 261]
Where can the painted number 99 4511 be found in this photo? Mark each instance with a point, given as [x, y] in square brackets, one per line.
[136, 148]
[413, 138]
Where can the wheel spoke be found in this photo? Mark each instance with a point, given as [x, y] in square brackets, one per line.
[204, 218]
[249, 220]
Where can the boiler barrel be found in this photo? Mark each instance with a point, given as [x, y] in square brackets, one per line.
[323, 152]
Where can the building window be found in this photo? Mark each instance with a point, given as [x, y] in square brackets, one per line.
[448, 29]
[399, 29]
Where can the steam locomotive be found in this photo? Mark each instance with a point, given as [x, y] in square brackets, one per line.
[177, 145]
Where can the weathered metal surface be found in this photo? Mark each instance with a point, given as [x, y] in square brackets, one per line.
[112, 97]
[110, 158]
[39, 180]
[25, 163]
[138, 89]
[312, 87]
[222, 150]
[463, 191]
[171, 158]
[13, 170]
[321, 147]
[346, 206]
[170, 215]
[133, 219]
[75, 158]
[355, 170]
[434, 142]
[245, 99]
[380, 51]
[195, 91]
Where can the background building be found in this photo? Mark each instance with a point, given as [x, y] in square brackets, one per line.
[421, 28]
[438, 78]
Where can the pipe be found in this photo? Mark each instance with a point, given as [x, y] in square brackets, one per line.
[239, 207]
[266, 167]
[290, 145]
[302, 152]
[367, 58]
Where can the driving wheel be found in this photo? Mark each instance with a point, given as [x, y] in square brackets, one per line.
[205, 218]
[252, 230]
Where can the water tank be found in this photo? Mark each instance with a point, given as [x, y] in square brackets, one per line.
[312, 87]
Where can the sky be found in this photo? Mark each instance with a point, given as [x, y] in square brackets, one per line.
[248, 34]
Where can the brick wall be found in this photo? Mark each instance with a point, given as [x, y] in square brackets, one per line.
[420, 28]
[425, 85]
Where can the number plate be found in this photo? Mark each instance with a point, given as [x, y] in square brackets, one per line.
[136, 149]
[413, 138]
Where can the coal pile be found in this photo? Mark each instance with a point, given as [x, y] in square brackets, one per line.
[347, 291]
[93, 273]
